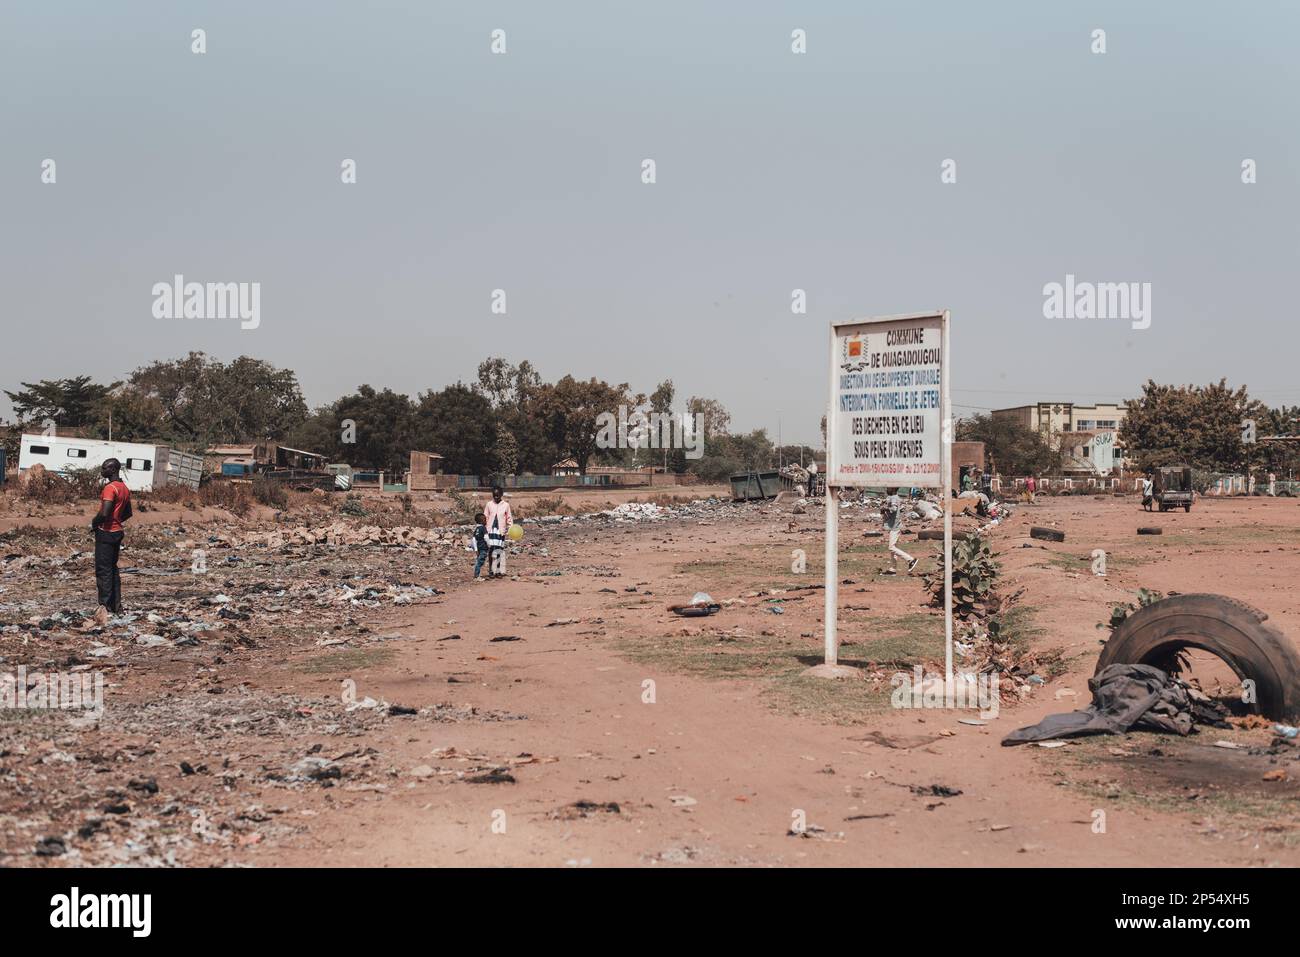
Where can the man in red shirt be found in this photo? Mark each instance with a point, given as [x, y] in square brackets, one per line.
[114, 509]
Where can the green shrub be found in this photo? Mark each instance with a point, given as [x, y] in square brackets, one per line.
[974, 577]
[270, 492]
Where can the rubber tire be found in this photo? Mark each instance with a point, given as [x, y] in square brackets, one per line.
[1047, 534]
[1187, 508]
[1230, 629]
[931, 535]
[1151, 530]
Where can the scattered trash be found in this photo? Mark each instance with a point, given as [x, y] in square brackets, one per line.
[584, 808]
[1124, 697]
[936, 790]
[700, 605]
[495, 776]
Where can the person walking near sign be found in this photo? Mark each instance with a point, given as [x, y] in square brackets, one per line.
[1147, 488]
[114, 509]
[892, 517]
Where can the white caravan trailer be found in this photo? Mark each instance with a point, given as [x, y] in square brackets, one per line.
[144, 466]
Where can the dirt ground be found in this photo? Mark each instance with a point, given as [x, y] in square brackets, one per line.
[370, 705]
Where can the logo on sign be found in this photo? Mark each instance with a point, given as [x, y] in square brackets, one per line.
[855, 353]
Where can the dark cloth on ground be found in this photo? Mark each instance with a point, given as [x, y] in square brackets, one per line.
[1124, 697]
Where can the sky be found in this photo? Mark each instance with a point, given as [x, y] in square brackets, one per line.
[774, 171]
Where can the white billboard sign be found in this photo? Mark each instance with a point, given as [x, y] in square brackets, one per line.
[885, 426]
[888, 425]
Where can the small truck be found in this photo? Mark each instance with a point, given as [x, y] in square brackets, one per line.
[1172, 487]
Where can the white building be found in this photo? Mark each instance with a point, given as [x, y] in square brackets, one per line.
[1087, 435]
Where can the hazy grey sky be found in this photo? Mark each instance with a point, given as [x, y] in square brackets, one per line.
[775, 171]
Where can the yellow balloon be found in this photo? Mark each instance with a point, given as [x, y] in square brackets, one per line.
[515, 533]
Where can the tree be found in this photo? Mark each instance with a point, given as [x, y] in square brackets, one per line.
[726, 455]
[458, 423]
[794, 454]
[571, 410]
[505, 456]
[661, 401]
[1279, 457]
[1196, 425]
[1015, 449]
[507, 385]
[384, 423]
[206, 402]
[129, 415]
[515, 392]
[321, 432]
[69, 402]
[717, 420]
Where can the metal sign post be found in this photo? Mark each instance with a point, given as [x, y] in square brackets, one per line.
[889, 423]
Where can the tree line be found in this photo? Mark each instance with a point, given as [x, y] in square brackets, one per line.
[506, 421]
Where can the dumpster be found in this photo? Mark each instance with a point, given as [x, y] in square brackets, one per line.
[754, 486]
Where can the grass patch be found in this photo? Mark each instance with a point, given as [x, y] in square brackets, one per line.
[1226, 536]
[1070, 562]
[777, 663]
[741, 567]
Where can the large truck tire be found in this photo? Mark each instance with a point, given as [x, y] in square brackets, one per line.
[1226, 627]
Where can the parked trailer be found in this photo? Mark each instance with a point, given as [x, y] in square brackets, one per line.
[145, 466]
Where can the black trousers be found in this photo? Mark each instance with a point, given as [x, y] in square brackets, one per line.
[107, 580]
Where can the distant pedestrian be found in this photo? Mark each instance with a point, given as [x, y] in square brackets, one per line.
[480, 544]
[1031, 487]
[967, 481]
[812, 479]
[891, 515]
[1148, 492]
[114, 509]
[497, 518]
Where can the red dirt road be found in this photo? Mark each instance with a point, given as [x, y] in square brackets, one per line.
[713, 772]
